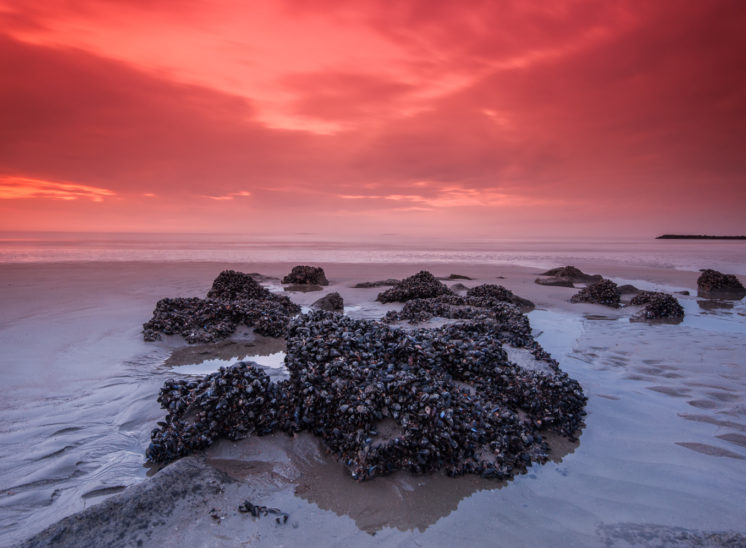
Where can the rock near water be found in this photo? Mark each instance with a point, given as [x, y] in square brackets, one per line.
[604, 292]
[712, 284]
[332, 302]
[422, 285]
[573, 274]
[234, 299]
[303, 274]
[658, 306]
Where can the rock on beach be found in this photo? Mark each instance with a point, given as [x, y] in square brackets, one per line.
[604, 292]
[712, 284]
[303, 274]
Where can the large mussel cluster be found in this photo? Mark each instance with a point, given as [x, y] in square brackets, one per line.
[385, 398]
[234, 299]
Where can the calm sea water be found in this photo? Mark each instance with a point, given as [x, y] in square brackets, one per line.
[727, 256]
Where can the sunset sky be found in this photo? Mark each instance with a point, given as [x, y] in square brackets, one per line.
[346, 117]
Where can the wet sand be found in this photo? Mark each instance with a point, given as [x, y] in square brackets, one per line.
[662, 452]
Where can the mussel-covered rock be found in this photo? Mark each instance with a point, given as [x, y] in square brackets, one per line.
[385, 399]
[234, 299]
[231, 285]
[658, 306]
[204, 320]
[332, 302]
[303, 274]
[712, 284]
[422, 285]
[572, 274]
[234, 402]
[500, 293]
[509, 325]
[604, 292]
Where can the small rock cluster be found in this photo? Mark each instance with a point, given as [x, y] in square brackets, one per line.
[658, 306]
[555, 281]
[378, 283]
[712, 284]
[500, 293]
[234, 299]
[422, 285]
[573, 274]
[306, 275]
[604, 292]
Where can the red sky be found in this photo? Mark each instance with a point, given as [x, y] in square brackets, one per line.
[357, 117]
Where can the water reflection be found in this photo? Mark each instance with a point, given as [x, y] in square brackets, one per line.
[401, 500]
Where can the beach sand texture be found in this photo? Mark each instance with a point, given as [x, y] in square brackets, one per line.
[662, 456]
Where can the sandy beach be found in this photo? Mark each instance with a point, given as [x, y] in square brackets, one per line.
[661, 460]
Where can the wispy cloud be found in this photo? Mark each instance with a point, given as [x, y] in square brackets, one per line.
[231, 195]
[454, 196]
[15, 188]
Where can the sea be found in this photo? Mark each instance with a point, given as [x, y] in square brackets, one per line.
[43, 247]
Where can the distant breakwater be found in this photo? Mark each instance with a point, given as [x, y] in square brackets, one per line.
[698, 237]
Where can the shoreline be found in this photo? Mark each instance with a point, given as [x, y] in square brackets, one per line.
[570, 331]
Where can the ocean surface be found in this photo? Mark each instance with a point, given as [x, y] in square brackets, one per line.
[726, 256]
[663, 452]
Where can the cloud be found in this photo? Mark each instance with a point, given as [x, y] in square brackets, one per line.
[231, 195]
[17, 187]
[320, 110]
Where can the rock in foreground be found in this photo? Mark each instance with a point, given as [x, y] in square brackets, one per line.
[604, 292]
[712, 284]
[422, 285]
[386, 399]
[658, 306]
[310, 275]
[139, 515]
[232, 403]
